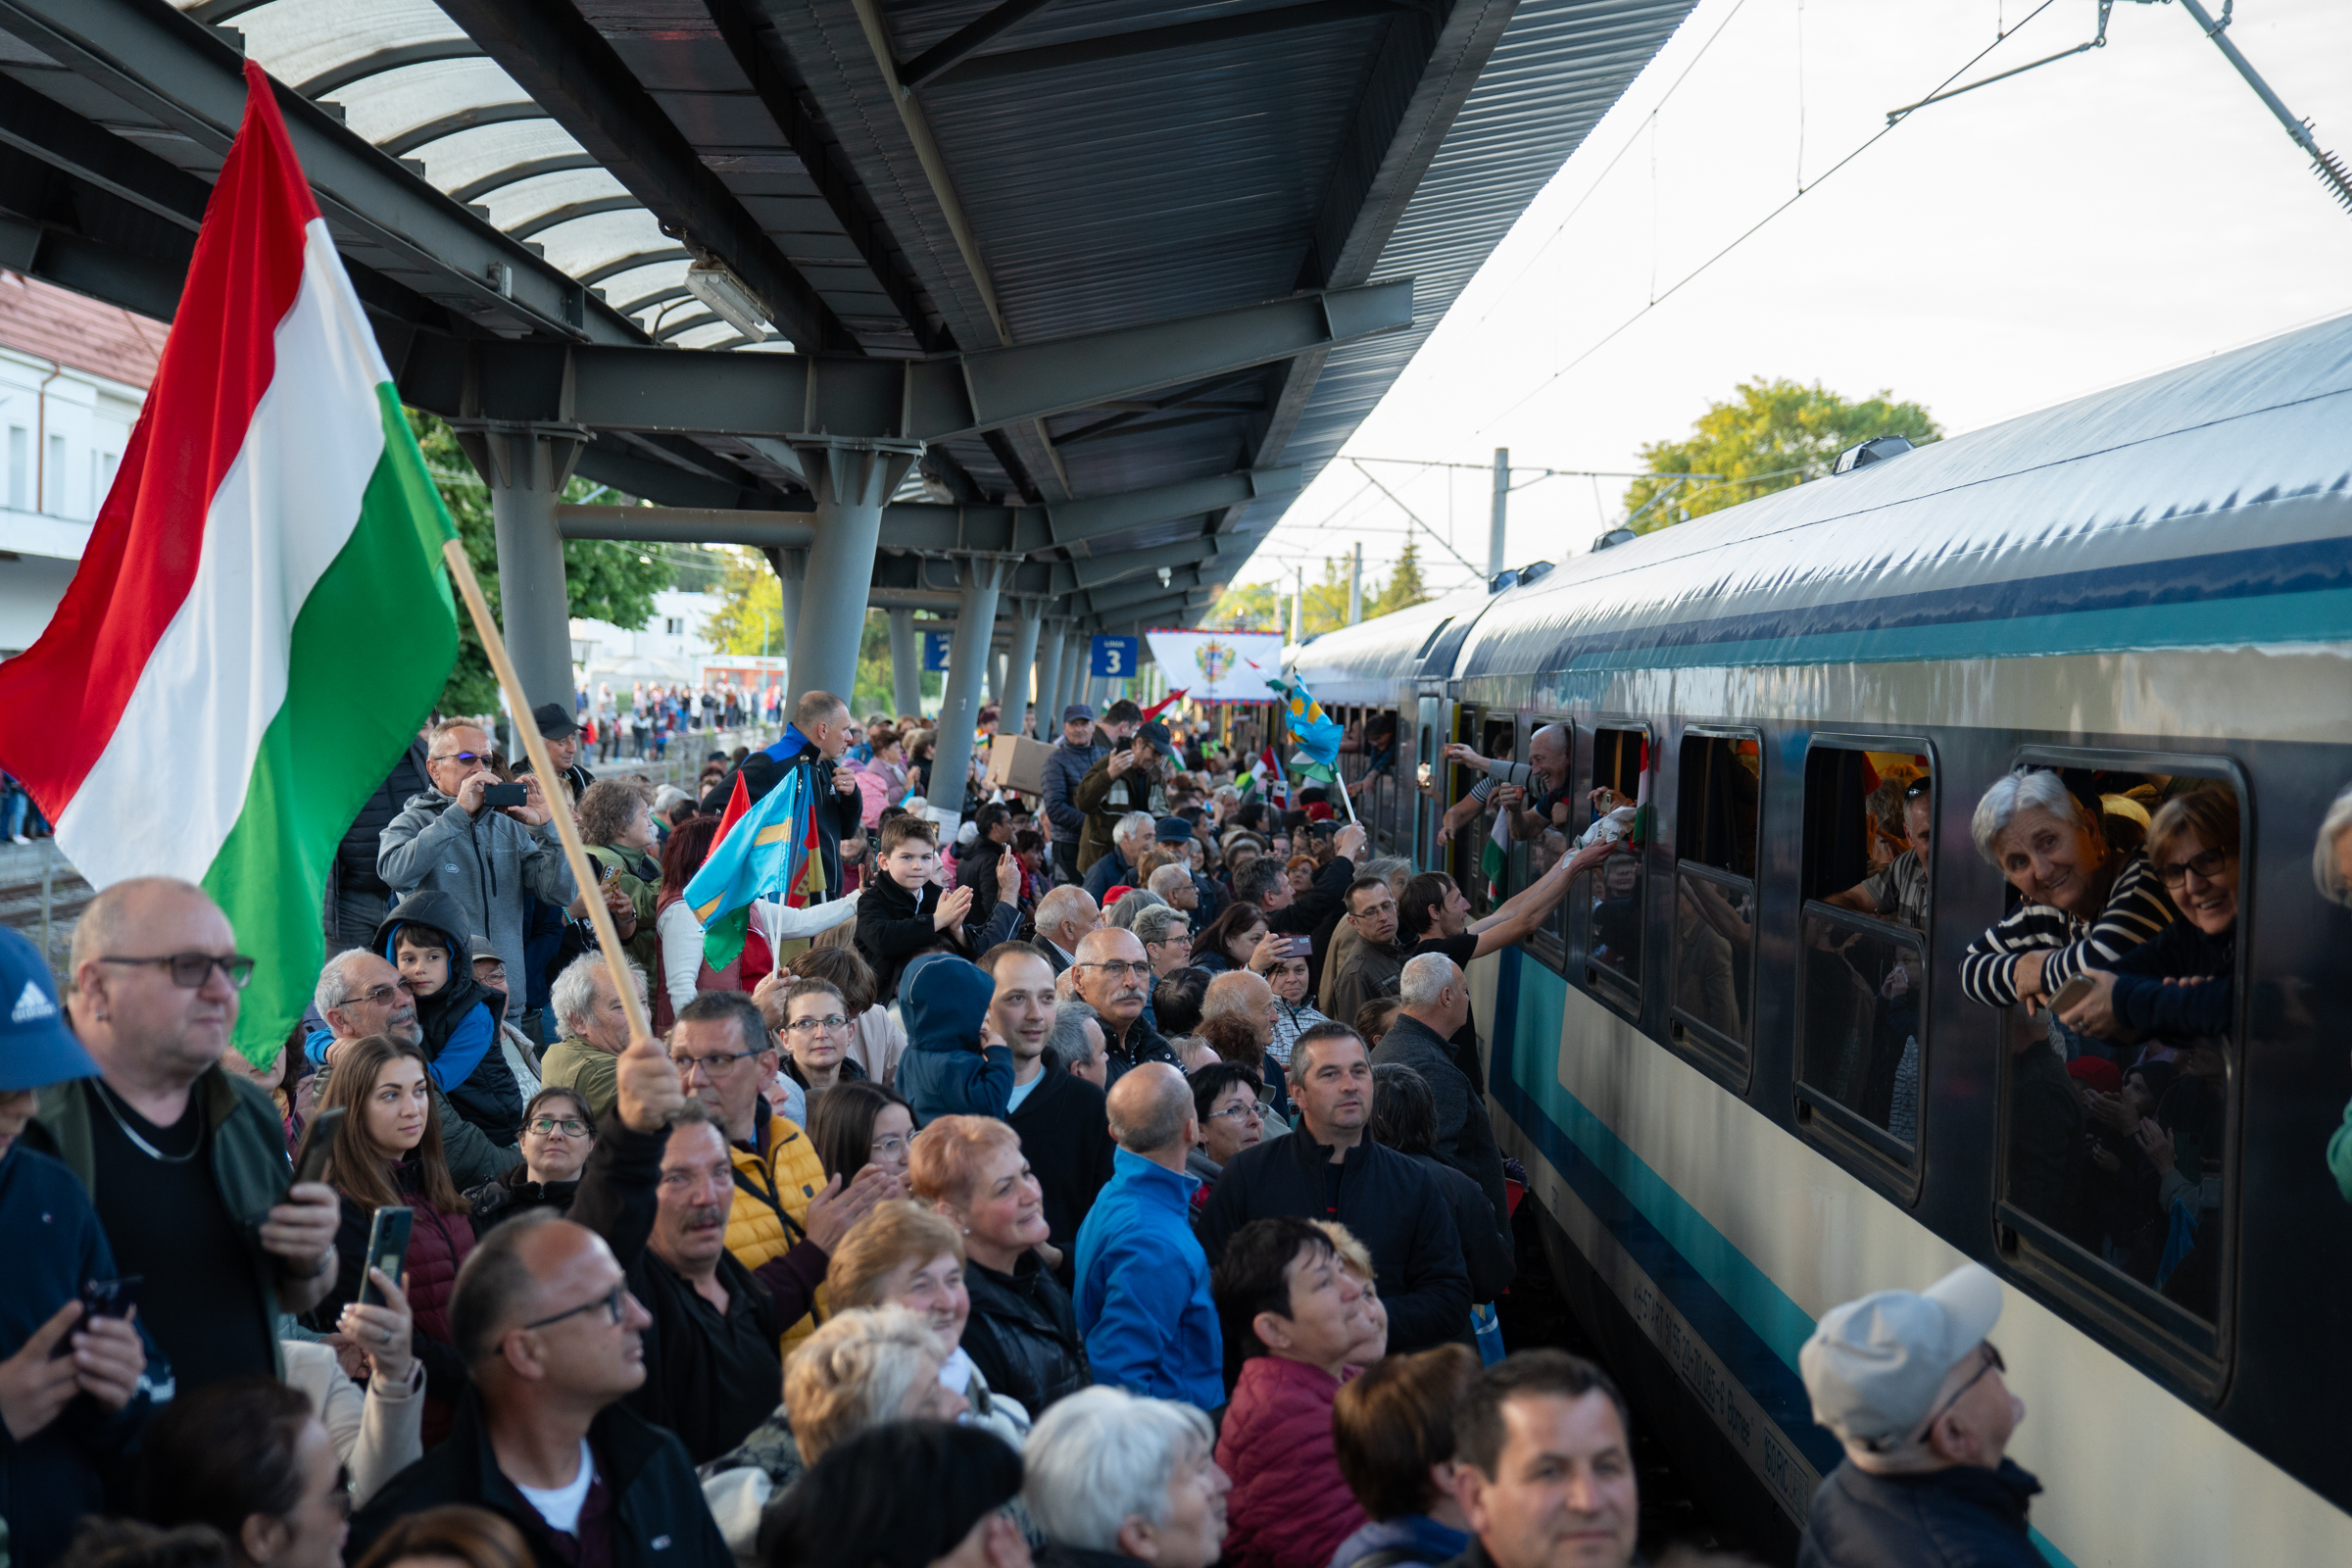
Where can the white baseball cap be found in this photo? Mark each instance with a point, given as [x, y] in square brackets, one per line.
[1873, 1367]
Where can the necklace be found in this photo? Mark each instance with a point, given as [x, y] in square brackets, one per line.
[106, 1098]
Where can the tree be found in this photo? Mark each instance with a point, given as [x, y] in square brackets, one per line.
[750, 617]
[1767, 436]
[1266, 607]
[603, 579]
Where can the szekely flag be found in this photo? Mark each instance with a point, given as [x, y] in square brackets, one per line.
[261, 619]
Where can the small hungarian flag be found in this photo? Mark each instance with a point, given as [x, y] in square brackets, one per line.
[1497, 854]
[261, 618]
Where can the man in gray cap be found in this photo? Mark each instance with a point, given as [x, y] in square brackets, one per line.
[1913, 1389]
[1065, 766]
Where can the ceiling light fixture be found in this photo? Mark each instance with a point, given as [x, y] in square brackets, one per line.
[716, 285]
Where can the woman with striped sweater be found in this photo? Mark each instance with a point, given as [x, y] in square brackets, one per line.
[2086, 903]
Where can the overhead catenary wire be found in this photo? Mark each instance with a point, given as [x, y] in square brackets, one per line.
[1750, 232]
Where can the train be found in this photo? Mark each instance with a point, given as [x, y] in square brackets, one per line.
[1740, 1102]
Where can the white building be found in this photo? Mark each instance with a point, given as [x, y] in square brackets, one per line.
[669, 650]
[72, 376]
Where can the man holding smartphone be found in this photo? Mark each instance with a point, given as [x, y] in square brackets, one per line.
[493, 859]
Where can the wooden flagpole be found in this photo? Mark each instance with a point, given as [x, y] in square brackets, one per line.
[575, 854]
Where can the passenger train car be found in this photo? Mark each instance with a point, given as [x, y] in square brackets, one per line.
[1740, 1104]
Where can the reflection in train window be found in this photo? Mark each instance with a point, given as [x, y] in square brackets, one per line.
[1862, 1011]
[1368, 763]
[1715, 901]
[1614, 932]
[1540, 840]
[2119, 1075]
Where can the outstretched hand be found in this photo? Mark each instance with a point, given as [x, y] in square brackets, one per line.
[834, 1210]
[649, 1090]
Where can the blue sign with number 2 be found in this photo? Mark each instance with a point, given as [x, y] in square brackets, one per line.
[935, 649]
[1114, 658]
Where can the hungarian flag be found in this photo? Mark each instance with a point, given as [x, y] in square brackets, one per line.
[261, 619]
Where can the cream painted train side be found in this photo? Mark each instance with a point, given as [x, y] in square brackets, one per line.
[2155, 581]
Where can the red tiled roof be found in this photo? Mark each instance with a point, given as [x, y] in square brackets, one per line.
[55, 323]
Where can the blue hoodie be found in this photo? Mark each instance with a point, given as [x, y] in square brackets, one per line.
[943, 1000]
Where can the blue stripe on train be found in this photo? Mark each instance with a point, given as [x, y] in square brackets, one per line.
[1751, 1323]
[2280, 593]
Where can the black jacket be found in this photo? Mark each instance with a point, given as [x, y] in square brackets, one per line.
[709, 1380]
[1465, 1136]
[511, 1194]
[1143, 1044]
[356, 896]
[1486, 1252]
[894, 929]
[657, 1517]
[488, 1096]
[1023, 1334]
[838, 817]
[1964, 1517]
[976, 868]
[1065, 1136]
[1392, 1205]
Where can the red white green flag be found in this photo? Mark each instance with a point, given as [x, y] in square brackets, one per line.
[261, 619]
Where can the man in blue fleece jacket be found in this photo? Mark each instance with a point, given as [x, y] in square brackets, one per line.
[953, 1065]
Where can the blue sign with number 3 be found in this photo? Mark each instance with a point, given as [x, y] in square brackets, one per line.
[1114, 658]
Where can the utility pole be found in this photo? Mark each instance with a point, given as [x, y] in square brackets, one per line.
[1356, 586]
[1499, 523]
[1298, 608]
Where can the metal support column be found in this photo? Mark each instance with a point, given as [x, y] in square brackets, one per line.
[1020, 660]
[997, 667]
[979, 578]
[1356, 586]
[851, 479]
[1050, 701]
[792, 582]
[1071, 686]
[1498, 520]
[906, 663]
[526, 467]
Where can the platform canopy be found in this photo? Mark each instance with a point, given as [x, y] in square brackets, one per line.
[1115, 276]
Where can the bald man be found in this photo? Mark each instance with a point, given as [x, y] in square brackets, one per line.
[1142, 1280]
[1114, 978]
[186, 1163]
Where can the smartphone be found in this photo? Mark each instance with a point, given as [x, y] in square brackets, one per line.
[506, 794]
[608, 876]
[110, 1297]
[2072, 992]
[387, 1249]
[318, 1142]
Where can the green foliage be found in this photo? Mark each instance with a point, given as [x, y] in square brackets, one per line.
[747, 590]
[1767, 436]
[1266, 607]
[604, 579]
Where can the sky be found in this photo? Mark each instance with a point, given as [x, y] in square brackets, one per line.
[2097, 220]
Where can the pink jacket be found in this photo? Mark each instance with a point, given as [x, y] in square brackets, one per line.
[879, 788]
[1290, 1506]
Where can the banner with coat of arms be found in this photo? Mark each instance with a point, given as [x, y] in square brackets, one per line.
[1218, 666]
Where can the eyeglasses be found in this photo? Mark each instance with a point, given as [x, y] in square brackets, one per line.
[1119, 968]
[1924, 784]
[1993, 1363]
[377, 996]
[192, 969]
[467, 757]
[892, 1147]
[2207, 865]
[710, 1066]
[568, 1126]
[1237, 1114]
[831, 1023]
[614, 1303]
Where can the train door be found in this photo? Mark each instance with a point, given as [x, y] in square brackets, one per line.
[1433, 727]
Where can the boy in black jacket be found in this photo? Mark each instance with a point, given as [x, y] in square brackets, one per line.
[427, 938]
[906, 913]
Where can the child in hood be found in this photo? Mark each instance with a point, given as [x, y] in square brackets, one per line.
[425, 938]
[955, 1066]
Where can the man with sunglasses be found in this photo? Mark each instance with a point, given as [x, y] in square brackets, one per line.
[494, 860]
[185, 1162]
[1911, 1386]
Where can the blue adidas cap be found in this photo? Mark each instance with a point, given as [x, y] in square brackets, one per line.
[36, 1048]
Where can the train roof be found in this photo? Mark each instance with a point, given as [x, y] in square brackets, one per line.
[1363, 662]
[2207, 505]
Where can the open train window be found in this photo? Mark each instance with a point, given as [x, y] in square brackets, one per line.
[1612, 905]
[1540, 831]
[1716, 807]
[1481, 865]
[1863, 981]
[2118, 966]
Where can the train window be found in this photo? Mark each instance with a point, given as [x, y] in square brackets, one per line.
[1715, 890]
[1614, 903]
[2117, 1102]
[1862, 983]
[1476, 872]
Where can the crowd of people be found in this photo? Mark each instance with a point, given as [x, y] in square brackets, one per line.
[989, 1207]
[643, 723]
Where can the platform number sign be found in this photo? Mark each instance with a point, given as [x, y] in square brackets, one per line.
[1114, 658]
[935, 649]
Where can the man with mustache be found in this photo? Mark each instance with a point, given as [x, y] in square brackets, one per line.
[1113, 977]
[1331, 1168]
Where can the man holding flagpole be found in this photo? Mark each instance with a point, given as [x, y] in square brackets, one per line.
[810, 746]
